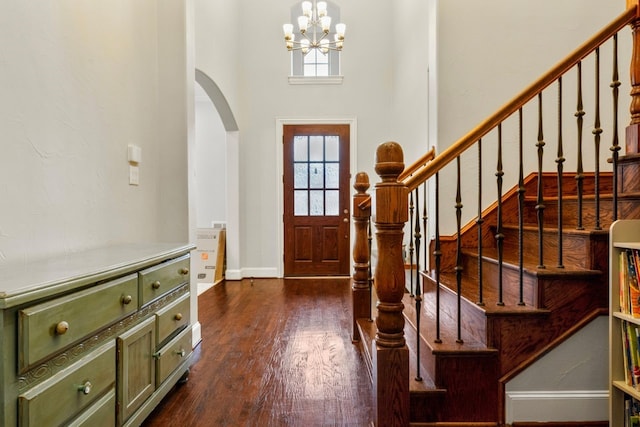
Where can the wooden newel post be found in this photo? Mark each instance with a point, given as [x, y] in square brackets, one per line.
[632, 145]
[390, 355]
[360, 294]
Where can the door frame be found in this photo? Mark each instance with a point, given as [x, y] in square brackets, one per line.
[280, 124]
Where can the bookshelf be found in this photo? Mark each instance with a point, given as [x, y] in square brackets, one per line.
[624, 235]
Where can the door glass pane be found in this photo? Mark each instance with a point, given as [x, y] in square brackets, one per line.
[331, 148]
[301, 203]
[332, 179]
[316, 148]
[316, 178]
[333, 202]
[317, 202]
[300, 175]
[300, 149]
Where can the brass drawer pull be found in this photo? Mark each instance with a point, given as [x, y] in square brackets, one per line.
[126, 299]
[184, 271]
[181, 352]
[62, 328]
[85, 388]
[178, 316]
[156, 284]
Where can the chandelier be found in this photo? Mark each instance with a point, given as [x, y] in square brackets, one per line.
[314, 19]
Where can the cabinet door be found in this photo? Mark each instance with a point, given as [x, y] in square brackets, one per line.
[136, 367]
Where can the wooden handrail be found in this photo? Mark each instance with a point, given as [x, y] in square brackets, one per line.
[521, 99]
[422, 161]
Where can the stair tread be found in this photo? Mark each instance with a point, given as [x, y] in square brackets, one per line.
[554, 230]
[448, 332]
[367, 335]
[490, 297]
[530, 266]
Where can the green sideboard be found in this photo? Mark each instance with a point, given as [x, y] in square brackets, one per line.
[95, 337]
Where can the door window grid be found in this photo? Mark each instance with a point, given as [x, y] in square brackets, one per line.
[316, 175]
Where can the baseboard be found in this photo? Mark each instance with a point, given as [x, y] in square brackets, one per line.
[263, 273]
[557, 406]
[562, 424]
[233, 275]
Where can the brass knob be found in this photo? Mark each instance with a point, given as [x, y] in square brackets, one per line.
[126, 299]
[345, 220]
[184, 271]
[181, 352]
[62, 328]
[178, 316]
[156, 284]
[85, 388]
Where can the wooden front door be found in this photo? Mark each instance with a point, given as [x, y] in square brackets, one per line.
[316, 200]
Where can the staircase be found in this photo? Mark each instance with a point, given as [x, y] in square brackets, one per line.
[509, 286]
[498, 341]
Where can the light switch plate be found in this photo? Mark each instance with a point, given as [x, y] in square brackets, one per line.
[134, 175]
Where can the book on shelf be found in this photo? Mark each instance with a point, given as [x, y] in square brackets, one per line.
[631, 353]
[629, 282]
[632, 280]
[622, 280]
[632, 412]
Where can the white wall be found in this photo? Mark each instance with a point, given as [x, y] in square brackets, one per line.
[79, 82]
[569, 384]
[211, 168]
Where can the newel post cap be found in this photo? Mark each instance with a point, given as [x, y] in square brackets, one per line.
[389, 161]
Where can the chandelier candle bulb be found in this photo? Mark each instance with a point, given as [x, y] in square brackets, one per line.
[322, 8]
[303, 23]
[288, 31]
[325, 21]
[306, 9]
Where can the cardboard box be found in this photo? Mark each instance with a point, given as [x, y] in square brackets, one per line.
[210, 255]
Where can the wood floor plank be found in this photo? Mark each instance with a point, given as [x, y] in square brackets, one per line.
[274, 353]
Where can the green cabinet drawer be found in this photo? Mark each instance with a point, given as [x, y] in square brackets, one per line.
[173, 317]
[172, 355]
[49, 327]
[101, 414]
[68, 392]
[158, 280]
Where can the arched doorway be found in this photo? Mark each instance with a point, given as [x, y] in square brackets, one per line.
[232, 173]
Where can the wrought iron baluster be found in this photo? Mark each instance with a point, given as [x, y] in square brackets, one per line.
[437, 255]
[499, 234]
[479, 222]
[418, 293]
[579, 171]
[540, 199]
[458, 267]
[597, 131]
[615, 146]
[560, 162]
[411, 249]
[521, 191]
[424, 222]
[370, 272]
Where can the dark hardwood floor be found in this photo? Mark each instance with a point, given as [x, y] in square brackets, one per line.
[274, 353]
